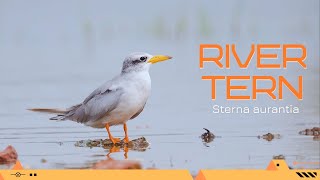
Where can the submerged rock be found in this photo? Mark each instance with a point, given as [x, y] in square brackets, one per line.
[8, 156]
[207, 136]
[279, 157]
[117, 164]
[316, 138]
[269, 136]
[315, 131]
[140, 144]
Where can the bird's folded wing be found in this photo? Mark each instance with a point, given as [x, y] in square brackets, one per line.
[97, 105]
[102, 89]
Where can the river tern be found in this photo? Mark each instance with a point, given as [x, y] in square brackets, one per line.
[118, 100]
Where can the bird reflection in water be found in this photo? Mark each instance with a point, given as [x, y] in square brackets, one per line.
[115, 149]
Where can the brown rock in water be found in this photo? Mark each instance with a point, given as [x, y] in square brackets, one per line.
[269, 136]
[117, 164]
[140, 144]
[8, 156]
[136, 144]
[316, 138]
[207, 136]
[309, 132]
[279, 157]
[316, 128]
[315, 131]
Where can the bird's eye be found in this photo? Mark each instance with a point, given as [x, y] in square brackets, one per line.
[143, 58]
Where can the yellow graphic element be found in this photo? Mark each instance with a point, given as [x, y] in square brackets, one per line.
[1, 178]
[277, 169]
[278, 165]
[271, 166]
[17, 166]
[100, 174]
[200, 176]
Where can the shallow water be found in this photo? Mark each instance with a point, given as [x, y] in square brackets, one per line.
[57, 63]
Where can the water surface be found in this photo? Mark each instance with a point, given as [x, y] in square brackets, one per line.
[54, 55]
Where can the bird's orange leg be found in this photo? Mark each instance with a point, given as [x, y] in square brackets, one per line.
[114, 140]
[126, 138]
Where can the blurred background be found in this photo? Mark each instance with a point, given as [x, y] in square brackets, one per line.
[54, 53]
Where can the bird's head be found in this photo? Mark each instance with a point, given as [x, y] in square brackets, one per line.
[141, 61]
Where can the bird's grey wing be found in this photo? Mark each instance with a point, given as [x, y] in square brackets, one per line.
[102, 89]
[98, 104]
[137, 114]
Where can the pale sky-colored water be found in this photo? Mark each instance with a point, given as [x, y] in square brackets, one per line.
[53, 54]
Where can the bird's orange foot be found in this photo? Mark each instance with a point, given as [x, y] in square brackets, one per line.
[115, 140]
[126, 140]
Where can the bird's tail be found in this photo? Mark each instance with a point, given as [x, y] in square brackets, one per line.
[49, 111]
[59, 112]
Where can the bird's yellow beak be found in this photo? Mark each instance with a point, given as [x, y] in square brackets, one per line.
[158, 58]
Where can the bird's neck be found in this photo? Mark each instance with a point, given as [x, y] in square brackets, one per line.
[140, 79]
[136, 74]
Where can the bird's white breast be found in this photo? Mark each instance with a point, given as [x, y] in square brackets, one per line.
[136, 90]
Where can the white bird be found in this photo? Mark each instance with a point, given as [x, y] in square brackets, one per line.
[116, 101]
